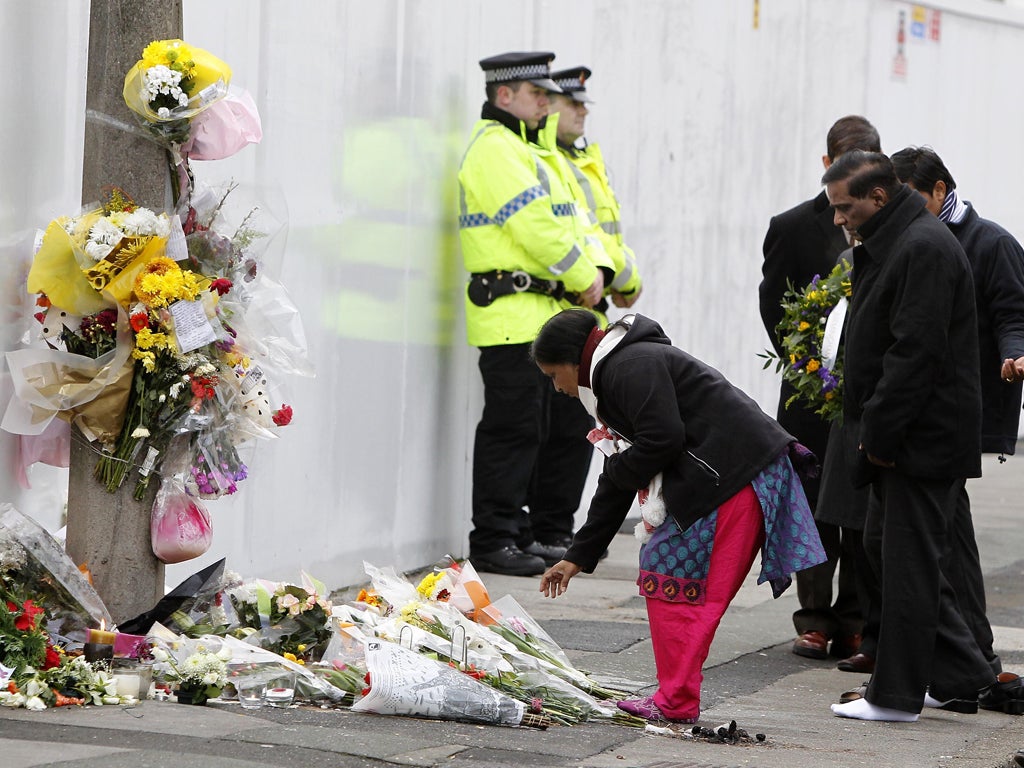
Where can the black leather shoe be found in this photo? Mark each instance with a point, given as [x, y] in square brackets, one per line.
[509, 561]
[549, 553]
[1006, 694]
[1018, 757]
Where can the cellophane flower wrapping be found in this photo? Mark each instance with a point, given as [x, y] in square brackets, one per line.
[193, 345]
[171, 84]
[288, 619]
[805, 313]
[46, 607]
[403, 682]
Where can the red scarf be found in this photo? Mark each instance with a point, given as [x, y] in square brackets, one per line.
[588, 356]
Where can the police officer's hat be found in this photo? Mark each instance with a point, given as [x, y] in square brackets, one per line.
[573, 82]
[531, 66]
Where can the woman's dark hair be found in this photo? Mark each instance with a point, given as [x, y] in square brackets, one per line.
[920, 167]
[561, 339]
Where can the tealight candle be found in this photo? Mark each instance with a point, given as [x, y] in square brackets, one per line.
[128, 682]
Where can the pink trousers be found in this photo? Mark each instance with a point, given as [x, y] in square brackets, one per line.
[682, 632]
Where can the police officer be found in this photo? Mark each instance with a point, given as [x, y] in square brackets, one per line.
[525, 248]
[587, 163]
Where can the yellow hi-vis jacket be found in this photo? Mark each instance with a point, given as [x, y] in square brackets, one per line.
[589, 168]
[517, 213]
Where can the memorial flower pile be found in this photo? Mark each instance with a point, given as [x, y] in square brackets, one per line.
[816, 377]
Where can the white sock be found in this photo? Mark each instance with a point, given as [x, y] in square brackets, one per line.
[931, 701]
[862, 709]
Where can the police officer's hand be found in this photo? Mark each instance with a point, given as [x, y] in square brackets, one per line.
[556, 578]
[625, 301]
[1013, 370]
[591, 296]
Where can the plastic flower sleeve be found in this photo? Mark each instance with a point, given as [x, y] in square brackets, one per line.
[30, 551]
[50, 381]
[405, 683]
[225, 128]
[209, 84]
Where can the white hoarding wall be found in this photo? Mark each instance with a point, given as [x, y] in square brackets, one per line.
[712, 117]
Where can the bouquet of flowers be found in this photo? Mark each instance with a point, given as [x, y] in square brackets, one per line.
[816, 376]
[151, 336]
[198, 672]
[35, 672]
[171, 84]
[291, 620]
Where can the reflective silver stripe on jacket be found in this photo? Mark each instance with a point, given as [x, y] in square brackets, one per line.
[626, 273]
[611, 227]
[566, 263]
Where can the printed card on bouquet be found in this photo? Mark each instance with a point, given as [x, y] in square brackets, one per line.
[191, 325]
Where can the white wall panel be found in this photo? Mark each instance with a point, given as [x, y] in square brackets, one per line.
[710, 126]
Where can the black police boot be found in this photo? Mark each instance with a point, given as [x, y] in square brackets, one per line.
[549, 553]
[510, 561]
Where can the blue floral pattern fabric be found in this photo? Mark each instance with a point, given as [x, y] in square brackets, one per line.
[674, 564]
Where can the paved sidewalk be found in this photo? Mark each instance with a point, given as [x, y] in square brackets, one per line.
[751, 677]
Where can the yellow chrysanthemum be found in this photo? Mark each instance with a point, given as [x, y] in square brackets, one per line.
[147, 339]
[163, 282]
[170, 53]
[148, 359]
[426, 586]
[812, 366]
[804, 325]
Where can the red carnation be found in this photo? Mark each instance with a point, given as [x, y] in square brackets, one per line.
[283, 416]
[52, 658]
[221, 285]
[27, 620]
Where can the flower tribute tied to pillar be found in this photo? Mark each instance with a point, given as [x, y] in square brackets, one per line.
[161, 335]
[812, 360]
[172, 83]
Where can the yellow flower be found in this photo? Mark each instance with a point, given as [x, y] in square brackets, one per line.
[804, 325]
[163, 282]
[426, 586]
[148, 359]
[792, 359]
[170, 53]
[812, 366]
[147, 339]
[830, 395]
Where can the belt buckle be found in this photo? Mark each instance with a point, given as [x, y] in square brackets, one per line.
[521, 280]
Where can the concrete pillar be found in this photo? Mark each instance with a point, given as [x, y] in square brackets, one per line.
[109, 533]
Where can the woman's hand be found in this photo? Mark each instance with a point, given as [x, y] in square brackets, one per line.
[556, 578]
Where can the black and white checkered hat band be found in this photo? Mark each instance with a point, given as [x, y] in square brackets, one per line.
[525, 72]
[569, 84]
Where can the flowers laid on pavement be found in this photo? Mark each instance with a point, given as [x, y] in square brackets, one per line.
[816, 378]
[199, 671]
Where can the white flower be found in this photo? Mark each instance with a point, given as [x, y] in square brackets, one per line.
[141, 431]
[162, 398]
[35, 703]
[33, 688]
[161, 655]
[163, 112]
[12, 699]
[97, 251]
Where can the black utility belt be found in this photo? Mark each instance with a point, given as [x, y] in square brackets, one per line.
[485, 287]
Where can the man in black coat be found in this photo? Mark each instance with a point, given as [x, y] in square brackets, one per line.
[801, 243]
[912, 393]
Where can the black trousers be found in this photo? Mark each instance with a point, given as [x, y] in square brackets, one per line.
[923, 641]
[963, 570]
[844, 617]
[530, 453]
